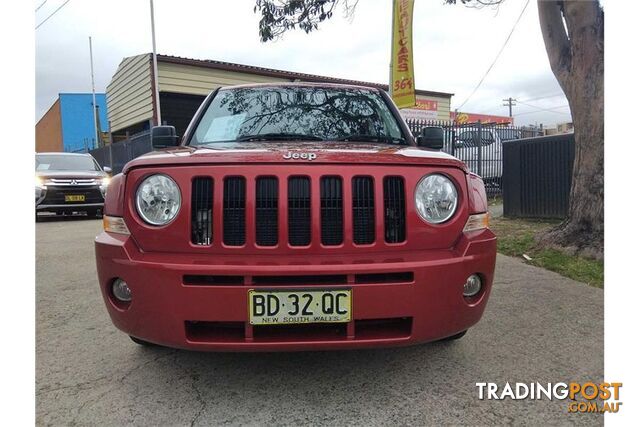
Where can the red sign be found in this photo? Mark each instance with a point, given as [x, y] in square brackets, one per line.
[426, 104]
[463, 118]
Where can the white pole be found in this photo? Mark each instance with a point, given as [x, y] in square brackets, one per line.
[93, 92]
[156, 91]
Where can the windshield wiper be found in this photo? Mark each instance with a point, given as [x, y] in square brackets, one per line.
[278, 137]
[371, 138]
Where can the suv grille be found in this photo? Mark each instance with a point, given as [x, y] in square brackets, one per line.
[299, 211]
[307, 200]
[201, 211]
[331, 210]
[233, 211]
[394, 214]
[364, 231]
[267, 211]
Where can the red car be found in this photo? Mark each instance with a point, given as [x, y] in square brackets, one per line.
[295, 217]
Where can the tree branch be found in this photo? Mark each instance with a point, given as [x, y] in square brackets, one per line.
[555, 38]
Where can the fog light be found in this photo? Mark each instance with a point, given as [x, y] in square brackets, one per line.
[121, 290]
[472, 286]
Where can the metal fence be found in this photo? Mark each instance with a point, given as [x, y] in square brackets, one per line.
[117, 155]
[479, 145]
[537, 176]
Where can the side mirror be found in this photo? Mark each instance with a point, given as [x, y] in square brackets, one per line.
[164, 136]
[107, 169]
[431, 137]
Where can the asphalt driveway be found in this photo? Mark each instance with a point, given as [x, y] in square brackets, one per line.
[538, 326]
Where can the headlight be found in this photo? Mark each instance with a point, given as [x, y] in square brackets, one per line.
[436, 198]
[40, 182]
[158, 199]
[104, 182]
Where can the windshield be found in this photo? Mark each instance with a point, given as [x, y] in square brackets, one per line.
[60, 162]
[297, 113]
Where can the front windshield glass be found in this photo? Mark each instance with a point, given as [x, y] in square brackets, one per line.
[297, 113]
[60, 162]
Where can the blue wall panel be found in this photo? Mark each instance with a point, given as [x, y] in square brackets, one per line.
[77, 120]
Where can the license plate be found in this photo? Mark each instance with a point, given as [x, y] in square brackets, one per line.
[285, 307]
[74, 198]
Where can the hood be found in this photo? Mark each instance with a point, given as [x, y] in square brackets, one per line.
[296, 152]
[70, 174]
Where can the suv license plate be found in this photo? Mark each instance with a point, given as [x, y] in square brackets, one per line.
[74, 198]
[286, 307]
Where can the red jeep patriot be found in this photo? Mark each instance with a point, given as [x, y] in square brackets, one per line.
[295, 217]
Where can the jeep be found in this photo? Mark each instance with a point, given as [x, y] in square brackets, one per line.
[295, 216]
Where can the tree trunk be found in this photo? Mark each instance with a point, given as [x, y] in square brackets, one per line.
[576, 56]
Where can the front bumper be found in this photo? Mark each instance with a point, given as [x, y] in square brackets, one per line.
[164, 310]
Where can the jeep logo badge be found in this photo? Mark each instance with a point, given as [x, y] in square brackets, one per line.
[301, 156]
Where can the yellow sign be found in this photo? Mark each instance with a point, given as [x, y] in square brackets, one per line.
[402, 82]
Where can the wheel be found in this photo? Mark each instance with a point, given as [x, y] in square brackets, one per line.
[455, 337]
[141, 342]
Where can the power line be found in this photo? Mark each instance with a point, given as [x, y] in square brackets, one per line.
[497, 56]
[54, 12]
[555, 95]
[38, 8]
[550, 110]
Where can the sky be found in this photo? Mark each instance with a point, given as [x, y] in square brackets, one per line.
[453, 48]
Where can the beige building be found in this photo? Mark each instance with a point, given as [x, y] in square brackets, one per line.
[183, 83]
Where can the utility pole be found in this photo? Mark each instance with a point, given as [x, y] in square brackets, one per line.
[510, 102]
[156, 92]
[95, 106]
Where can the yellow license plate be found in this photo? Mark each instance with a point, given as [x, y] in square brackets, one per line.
[286, 307]
[74, 198]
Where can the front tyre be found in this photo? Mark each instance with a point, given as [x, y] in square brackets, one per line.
[455, 337]
[141, 342]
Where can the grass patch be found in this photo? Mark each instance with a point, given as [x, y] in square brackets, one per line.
[517, 237]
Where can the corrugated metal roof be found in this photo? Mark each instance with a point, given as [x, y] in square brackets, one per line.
[251, 69]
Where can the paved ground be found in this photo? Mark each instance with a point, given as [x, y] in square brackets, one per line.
[538, 327]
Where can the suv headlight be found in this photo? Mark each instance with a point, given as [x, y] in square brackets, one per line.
[436, 198]
[158, 199]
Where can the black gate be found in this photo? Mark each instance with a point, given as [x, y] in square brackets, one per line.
[537, 176]
[117, 155]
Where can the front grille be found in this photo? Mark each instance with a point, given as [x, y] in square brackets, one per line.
[201, 211]
[72, 181]
[267, 211]
[331, 210]
[376, 209]
[233, 211]
[364, 225]
[299, 211]
[394, 209]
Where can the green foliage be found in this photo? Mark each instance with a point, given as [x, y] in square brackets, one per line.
[516, 237]
[280, 16]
